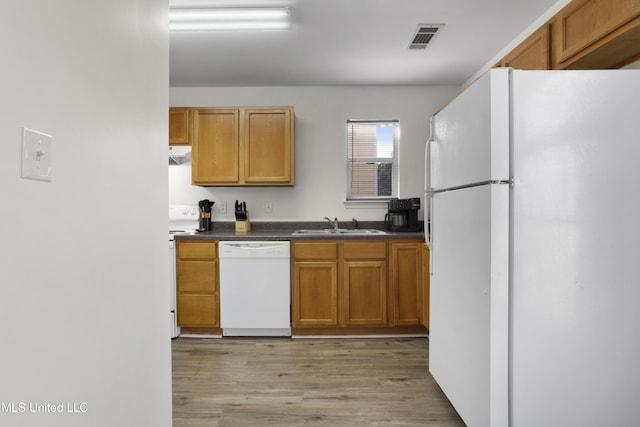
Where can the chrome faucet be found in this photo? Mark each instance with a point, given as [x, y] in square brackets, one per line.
[334, 222]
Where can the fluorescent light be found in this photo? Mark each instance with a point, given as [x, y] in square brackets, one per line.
[229, 19]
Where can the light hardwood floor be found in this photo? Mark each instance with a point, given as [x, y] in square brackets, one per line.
[306, 382]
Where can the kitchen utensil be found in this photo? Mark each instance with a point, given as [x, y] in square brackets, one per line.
[205, 214]
[241, 211]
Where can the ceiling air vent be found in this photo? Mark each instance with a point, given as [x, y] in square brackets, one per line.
[425, 35]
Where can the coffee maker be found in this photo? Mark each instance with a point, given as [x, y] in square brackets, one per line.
[403, 215]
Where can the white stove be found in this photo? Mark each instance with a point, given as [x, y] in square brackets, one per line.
[182, 219]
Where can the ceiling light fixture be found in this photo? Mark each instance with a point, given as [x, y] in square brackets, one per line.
[229, 19]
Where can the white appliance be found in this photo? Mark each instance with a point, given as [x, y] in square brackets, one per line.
[182, 219]
[535, 223]
[255, 297]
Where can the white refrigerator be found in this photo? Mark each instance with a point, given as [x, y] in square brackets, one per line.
[534, 209]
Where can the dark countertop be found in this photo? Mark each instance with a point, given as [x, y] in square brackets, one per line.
[284, 230]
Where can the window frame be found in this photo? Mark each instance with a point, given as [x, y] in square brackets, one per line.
[395, 174]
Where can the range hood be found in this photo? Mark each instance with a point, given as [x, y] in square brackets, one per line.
[179, 154]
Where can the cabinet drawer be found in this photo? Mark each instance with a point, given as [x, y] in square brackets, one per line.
[196, 250]
[315, 250]
[196, 276]
[197, 310]
[365, 250]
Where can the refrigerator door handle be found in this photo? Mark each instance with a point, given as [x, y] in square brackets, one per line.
[427, 158]
[428, 229]
[427, 221]
[428, 195]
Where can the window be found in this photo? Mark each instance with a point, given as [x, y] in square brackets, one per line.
[372, 159]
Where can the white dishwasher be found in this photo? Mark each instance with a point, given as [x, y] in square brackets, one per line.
[255, 290]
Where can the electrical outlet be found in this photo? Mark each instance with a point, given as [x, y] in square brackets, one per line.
[222, 207]
[268, 207]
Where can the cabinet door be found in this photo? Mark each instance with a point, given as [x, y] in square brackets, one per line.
[267, 144]
[406, 277]
[179, 126]
[314, 293]
[597, 34]
[364, 293]
[215, 146]
[532, 54]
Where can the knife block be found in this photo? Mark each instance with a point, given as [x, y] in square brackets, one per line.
[243, 226]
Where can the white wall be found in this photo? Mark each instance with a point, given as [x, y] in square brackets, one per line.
[83, 303]
[321, 115]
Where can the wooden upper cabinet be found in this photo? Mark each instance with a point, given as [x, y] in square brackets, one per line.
[243, 146]
[267, 145]
[534, 53]
[179, 126]
[596, 34]
[216, 147]
[585, 34]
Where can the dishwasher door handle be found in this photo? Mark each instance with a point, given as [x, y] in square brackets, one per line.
[253, 249]
[252, 245]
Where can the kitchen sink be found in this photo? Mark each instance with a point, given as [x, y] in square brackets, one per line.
[339, 231]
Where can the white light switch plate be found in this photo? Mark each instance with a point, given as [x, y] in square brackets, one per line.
[36, 155]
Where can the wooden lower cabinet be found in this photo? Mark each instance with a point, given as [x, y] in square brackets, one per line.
[425, 286]
[406, 275]
[364, 284]
[314, 292]
[356, 287]
[198, 298]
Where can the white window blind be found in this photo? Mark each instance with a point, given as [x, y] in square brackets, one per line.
[371, 159]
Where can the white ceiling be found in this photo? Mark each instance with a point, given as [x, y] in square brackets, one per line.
[352, 42]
